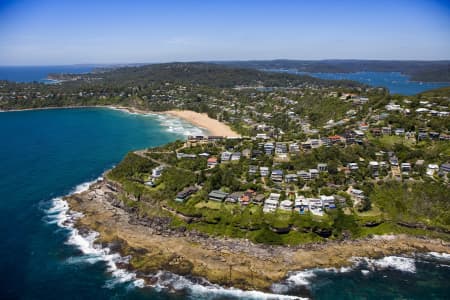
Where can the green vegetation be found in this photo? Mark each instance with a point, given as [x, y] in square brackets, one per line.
[132, 168]
[284, 109]
[424, 202]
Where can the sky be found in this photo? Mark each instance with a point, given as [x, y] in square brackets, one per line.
[57, 32]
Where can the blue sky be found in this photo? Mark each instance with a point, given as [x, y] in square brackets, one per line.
[43, 32]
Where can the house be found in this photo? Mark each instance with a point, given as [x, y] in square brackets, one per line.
[157, 172]
[306, 146]
[291, 178]
[352, 166]
[268, 148]
[386, 130]
[281, 148]
[262, 136]
[286, 205]
[233, 197]
[204, 154]
[181, 155]
[315, 206]
[399, 131]
[259, 198]
[422, 136]
[374, 166]
[226, 156]
[277, 175]
[264, 171]
[256, 153]
[444, 137]
[327, 202]
[363, 127]
[247, 153]
[434, 135]
[271, 203]
[358, 133]
[313, 173]
[236, 156]
[304, 175]
[405, 167]
[376, 131]
[211, 162]
[247, 197]
[294, 148]
[422, 110]
[252, 170]
[300, 204]
[363, 100]
[326, 141]
[357, 194]
[432, 169]
[335, 139]
[217, 195]
[185, 194]
[315, 143]
[445, 168]
[150, 183]
[322, 167]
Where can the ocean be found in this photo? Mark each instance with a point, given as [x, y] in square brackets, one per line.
[46, 154]
[396, 82]
[39, 73]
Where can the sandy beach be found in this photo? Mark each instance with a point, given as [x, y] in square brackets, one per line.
[213, 126]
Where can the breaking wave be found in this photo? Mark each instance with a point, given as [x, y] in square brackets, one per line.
[178, 126]
[60, 214]
[298, 282]
[170, 123]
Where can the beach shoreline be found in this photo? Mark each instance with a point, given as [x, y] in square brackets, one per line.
[201, 120]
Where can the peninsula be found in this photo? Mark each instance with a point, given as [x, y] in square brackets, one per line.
[295, 172]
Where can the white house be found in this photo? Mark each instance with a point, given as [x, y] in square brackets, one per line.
[432, 169]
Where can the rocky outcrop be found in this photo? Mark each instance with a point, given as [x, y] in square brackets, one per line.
[152, 245]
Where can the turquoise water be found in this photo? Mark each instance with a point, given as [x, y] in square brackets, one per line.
[396, 82]
[46, 154]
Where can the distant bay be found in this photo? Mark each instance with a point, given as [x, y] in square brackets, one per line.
[396, 82]
[39, 73]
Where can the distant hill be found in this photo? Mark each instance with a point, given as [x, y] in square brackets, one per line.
[207, 74]
[441, 92]
[429, 71]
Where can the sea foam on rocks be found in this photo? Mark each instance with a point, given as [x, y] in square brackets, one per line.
[59, 213]
[199, 288]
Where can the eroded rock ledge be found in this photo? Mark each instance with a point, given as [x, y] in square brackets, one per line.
[153, 245]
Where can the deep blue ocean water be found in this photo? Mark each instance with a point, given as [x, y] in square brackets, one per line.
[39, 73]
[46, 153]
[396, 82]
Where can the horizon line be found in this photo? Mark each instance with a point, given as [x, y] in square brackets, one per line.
[223, 60]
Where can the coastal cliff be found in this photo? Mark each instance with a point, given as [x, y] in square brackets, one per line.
[153, 245]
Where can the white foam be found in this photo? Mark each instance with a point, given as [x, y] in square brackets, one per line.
[403, 264]
[171, 123]
[365, 272]
[442, 256]
[206, 290]
[302, 277]
[59, 213]
[178, 126]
